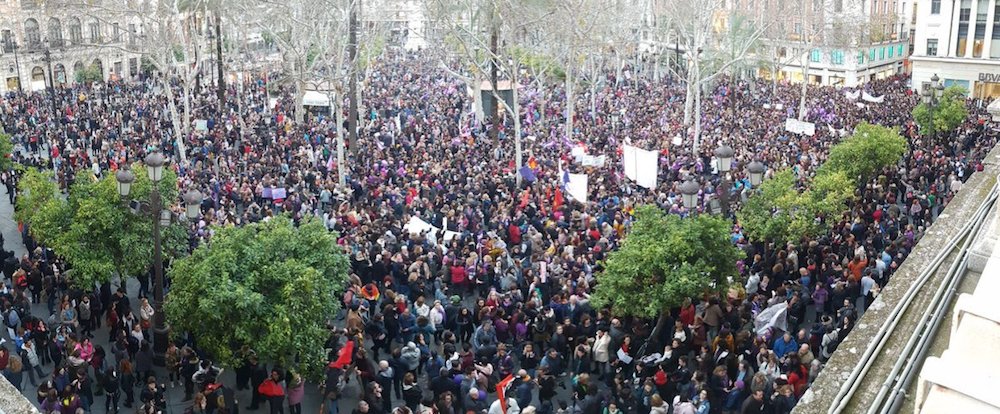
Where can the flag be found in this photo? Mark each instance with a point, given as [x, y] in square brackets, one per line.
[344, 357]
[558, 202]
[528, 174]
[502, 388]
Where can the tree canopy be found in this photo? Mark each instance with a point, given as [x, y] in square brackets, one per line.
[781, 211]
[93, 229]
[865, 153]
[949, 113]
[269, 285]
[665, 259]
[6, 148]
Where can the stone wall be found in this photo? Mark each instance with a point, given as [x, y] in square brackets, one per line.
[819, 398]
[11, 400]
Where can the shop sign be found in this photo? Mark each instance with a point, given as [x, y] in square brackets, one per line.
[989, 77]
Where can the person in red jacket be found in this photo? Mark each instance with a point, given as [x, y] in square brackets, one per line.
[272, 390]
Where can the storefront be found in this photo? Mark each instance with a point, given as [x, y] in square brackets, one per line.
[980, 77]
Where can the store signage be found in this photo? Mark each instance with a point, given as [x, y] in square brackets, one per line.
[989, 77]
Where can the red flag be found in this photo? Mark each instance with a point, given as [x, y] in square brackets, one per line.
[558, 200]
[344, 357]
[502, 388]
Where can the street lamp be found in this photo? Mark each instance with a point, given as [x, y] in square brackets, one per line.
[756, 169]
[689, 190]
[125, 179]
[192, 202]
[47, 57]
[725, 155]
[931, 97]
[17, 63]
[154, 168]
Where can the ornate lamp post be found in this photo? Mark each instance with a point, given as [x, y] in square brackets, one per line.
[154, 168]
[725, 155]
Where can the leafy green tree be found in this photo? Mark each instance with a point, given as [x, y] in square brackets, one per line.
[34, 190]
[6, 150]
[663, 260]
[865, 153]
[94, 229]
[89, 74]
[781, 212]
[949, 113]
[270, 285]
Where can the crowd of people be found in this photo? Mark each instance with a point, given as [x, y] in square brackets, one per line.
[433, 324]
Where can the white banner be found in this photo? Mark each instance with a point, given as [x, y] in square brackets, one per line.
[578, 153]
[418, 226]
[799, 127]
[577, 187]
[641, 166]
[852, 96]
[773, 316]
[868, 98]
[592, 161]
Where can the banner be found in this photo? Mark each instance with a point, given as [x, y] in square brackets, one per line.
[278, 193]
[418, 226]
[799, 127]
[641, 166]
[868, 98]
[772, 317]
[852, 96]
[577, 187]
[578, 153]
[592, 161]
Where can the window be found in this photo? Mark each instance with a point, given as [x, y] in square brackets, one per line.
[892, 50]
[963, 27]
[935, 7]
[8, 41]
[838, 5]
[75, 31]
[899, 50]
[995, 45]
[871, 55]
[881, 53]
[117, 30]
[32, 34]
[131, 35]
[814, 55]
[932, 47]
[861, 57]
[55, 32]
[95, 32]
[837, 57]
[978, 42]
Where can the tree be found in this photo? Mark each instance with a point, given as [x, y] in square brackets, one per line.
[94, 229]
[34, 190]
[663, 260]
[948, 114]
[270, 285]
[782, 211]
[865, 153]
[89, 74]
[6, 150]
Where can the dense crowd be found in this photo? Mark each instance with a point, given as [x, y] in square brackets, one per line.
[433, 325]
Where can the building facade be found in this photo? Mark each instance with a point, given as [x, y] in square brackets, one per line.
[47, 43]
[839, 42]
[959, 40]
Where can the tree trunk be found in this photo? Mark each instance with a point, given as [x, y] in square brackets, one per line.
[352, 46]
[654, 337]
[341, 159]
[175, 119]
[805, 89]
[300, 94]
[570, 102]
[219, 64]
